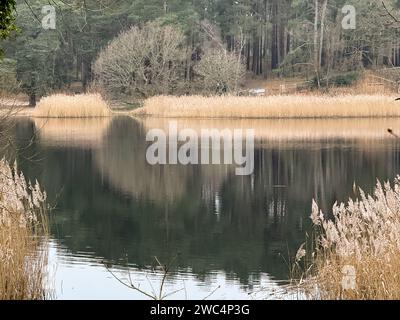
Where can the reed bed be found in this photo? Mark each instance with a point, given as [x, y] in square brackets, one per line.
[23, 234]
[76, 106]
[290, 106]
[357, 254]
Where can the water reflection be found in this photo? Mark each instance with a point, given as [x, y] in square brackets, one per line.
[87, 133]
[113, 206]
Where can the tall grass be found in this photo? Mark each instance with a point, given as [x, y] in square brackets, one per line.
[77, 106]
[23, 231]
[363, 236]
[292, 106]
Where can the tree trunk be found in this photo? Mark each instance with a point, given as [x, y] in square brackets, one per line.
[86, 74]
[32, 100]
[32, 91]
[248, 56]
[274, 47]
[316, 51]
[321, 41]
[275, 36]
[261, 55]
[265, 56]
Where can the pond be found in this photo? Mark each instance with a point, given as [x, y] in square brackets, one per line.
[225, 236]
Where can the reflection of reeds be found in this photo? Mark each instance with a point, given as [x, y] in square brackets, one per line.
[272, 106]
[78, 106]
[289, 130]
[72, 132]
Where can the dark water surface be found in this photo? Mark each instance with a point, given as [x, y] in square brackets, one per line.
[229, 234]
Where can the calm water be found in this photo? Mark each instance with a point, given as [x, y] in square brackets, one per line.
[230, 235]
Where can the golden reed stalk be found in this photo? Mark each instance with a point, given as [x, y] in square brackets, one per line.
[78, 106]
[291, 106]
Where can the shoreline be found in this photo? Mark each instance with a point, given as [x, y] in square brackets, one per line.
[272, 107]
[25, 113]
[89, 131]
[28, 114]
[252, 108]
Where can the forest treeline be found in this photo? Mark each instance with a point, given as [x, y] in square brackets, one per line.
[285, 38]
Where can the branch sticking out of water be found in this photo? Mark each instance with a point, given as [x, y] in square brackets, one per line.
[392, 133]
[165, 268]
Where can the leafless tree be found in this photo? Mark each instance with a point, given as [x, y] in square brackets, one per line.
[142, 61]
[219, 71]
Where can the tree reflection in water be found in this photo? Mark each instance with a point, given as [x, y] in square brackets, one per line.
[114, 205]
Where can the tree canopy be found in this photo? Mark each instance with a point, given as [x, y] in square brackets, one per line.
[7, 19]
[285, 38]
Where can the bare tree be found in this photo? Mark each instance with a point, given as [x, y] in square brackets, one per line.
[219, 83]
[213, 33]
[219, 71]
[142, 62]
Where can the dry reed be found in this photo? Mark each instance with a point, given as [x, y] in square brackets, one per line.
[77, 106]
[363, 237]
[291, 106]
[23, 231]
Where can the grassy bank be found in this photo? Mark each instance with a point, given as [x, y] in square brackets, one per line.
[357, 253]
[77, 106]
[223, 107]
[23, 231]
[291, 106]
